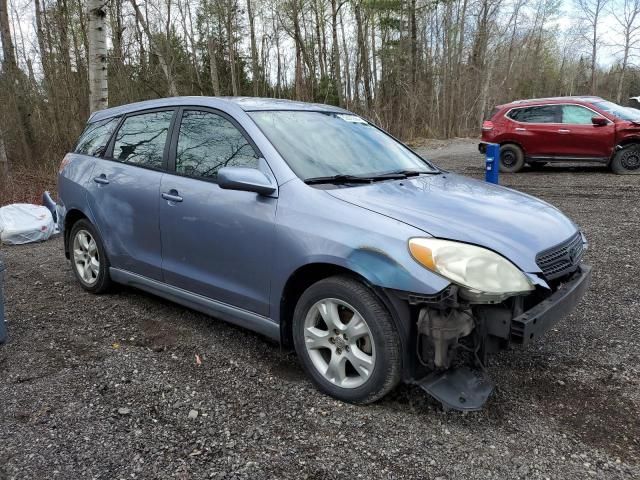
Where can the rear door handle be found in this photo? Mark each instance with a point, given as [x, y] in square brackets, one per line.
[101, 179]
[520, 129]
[172, 196]
[564, 130]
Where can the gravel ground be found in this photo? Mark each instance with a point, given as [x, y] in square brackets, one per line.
[127, 385]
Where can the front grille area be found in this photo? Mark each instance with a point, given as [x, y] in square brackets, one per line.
[561, 259]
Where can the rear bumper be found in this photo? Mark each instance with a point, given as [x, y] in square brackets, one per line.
[531, 324]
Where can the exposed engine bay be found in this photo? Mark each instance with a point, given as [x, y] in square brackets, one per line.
[456, 335]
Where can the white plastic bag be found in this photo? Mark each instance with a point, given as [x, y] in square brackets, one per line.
[25, 223]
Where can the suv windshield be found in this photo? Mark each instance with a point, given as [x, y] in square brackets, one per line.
[326, 144]
[621, 112]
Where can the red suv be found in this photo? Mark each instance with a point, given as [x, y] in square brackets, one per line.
[564, 129]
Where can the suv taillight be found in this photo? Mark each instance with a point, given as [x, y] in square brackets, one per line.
[487, 125]
[65, 161]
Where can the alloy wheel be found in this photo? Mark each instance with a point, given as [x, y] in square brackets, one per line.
[339, 343]
[86, 258]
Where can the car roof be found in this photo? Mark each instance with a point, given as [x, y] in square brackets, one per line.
[552, 100]
[248, 104]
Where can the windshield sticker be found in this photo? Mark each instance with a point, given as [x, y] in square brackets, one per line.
[351, 118]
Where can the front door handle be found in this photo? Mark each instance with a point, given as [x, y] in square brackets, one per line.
[520, 129]
[101, 179]
[172, 196]
[564, 130]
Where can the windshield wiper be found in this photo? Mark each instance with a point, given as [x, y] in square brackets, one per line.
[395, 175]
[411, 173]
[338, 179]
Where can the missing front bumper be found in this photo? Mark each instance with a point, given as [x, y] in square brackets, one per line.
[534, 322]
[466, 387]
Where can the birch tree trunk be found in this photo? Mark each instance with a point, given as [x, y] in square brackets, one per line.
[98, 83]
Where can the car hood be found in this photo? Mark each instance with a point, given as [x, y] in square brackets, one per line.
[450, 206]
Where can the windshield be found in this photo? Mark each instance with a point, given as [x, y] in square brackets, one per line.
[322, 144]
[621, 112]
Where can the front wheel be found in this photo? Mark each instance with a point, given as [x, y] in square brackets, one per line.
[627, 161]
[346, 340]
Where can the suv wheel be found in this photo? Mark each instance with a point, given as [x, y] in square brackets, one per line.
[346, 340]
[627, 161]
[511, 158]
[88, 258]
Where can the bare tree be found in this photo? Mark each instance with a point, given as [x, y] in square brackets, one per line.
[335, 48]
[98, 82]
[4, 162]
[592, 13]
[627, 19]
[213, 66]
[157, 50]
[254, 48]
[8, 50]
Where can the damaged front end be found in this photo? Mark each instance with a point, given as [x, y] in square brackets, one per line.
[456, 332]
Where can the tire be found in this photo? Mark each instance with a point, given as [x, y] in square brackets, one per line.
[511, 158]
[627, 161]
[367, 365]
[537, 165]
[88, 258]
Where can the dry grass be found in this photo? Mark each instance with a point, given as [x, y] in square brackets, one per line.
[26, 185]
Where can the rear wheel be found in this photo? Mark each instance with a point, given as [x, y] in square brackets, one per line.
[627, 161]
[346, 340]
[88, 259]
[511, 158]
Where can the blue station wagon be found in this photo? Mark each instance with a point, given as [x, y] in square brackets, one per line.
[310, 225]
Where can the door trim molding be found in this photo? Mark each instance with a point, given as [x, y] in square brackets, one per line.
[238, 316]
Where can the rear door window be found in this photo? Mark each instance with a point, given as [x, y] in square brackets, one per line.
[577, 115]
[95, 137]
[142, 138]
[207, 142]
[539, 114]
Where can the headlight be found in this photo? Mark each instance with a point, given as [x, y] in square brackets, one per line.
[475, 268]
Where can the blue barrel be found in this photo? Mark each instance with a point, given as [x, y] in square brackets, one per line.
[3, 325]
[492, 163]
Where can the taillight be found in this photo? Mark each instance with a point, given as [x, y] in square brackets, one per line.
[487, 125]
[65, 161]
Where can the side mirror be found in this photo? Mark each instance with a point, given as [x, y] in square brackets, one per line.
[245, 179]
[599, 121]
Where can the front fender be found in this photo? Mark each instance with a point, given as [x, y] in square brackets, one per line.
[314, 227]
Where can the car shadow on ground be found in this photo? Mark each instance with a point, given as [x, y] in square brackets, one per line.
[567, 168]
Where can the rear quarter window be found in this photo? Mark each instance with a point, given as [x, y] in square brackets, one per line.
[536, 114]
[95, 137]
[492, 114]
